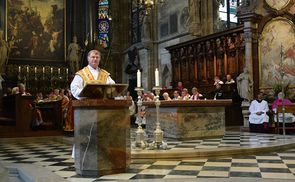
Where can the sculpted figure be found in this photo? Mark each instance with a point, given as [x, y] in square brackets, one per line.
[194, 19]
[73, 55]
[245, 84]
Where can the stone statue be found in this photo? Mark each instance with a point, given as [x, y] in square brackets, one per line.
[74, 55]
[4, 50]
[131, 70]
[146, 33]
[194, 19]
[218, 25]
[244, 85]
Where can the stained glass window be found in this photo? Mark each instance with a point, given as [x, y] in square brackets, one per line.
[228, 11]
[104, 23]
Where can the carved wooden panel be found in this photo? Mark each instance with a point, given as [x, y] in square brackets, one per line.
[196, 62]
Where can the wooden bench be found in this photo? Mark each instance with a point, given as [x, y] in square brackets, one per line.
[288, 109]
[16, 112]
[52, 113]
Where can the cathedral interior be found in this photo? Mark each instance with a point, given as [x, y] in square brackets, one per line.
[193, 90]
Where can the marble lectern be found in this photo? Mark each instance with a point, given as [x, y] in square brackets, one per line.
[102, 135]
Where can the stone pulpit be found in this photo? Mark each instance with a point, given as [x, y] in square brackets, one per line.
[102, 131]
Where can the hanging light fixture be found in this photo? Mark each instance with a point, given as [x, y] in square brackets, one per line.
[149, 4]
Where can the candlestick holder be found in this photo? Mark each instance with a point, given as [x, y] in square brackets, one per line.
[139, 139]
[158, 142]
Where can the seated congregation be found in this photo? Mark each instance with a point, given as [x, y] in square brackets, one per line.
[218, 90]
[265, 117]
[25, 112]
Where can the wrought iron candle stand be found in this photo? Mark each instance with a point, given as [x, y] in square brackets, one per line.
[158, 142]
[140, 134]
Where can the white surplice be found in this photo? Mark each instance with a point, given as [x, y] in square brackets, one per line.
[255, 107]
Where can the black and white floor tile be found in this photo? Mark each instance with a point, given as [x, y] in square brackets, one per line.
[56, 157]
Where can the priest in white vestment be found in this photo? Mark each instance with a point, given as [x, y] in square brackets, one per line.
[90, 73]
[258, 114]
[87, 74]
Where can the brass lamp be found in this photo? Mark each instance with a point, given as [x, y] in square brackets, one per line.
[149, 4]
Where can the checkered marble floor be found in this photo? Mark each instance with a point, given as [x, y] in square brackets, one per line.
[52, 154]
[229, 140]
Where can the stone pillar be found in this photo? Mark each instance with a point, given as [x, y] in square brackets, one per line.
[251, 47]
[206, 18]
[248, 50]
[153, 46]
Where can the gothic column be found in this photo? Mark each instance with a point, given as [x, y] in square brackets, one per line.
[120, 28]
[153, 47]
[251, 47]
[247, 15]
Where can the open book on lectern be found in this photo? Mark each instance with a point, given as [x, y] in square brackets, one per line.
[103, 91]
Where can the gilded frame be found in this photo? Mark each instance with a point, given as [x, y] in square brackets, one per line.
[36, 30]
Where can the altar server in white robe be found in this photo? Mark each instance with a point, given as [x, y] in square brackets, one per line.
[258, 113]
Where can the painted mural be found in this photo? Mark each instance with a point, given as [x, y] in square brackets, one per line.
[278, 37]
[35, 29]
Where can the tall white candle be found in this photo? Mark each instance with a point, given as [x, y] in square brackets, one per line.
[19, 69]
[43, 69]
[157, 77]
[35, 69]
[51, 70]
[67, 70]
[58, 70]
[138, 78]
[27, 69]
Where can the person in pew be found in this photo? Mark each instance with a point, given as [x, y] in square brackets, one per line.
[166, 96]
[179, 86]
[195, 94]
[289, 117]
[149, 96]
[69, 121]
[229, 79]
[22, 89]
[176, 95]
[39, 97]
[90, 73]
[38, 122]
[185, 95]
[218, 92]
[54, 95]
[258, 119]
[15, 90]
[64, 105]
[217, 81]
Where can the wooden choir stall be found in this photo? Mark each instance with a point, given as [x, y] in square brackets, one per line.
[18, 116]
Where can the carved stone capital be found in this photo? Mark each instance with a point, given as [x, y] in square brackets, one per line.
[249, 17]
[251, 37]
[248, 37]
